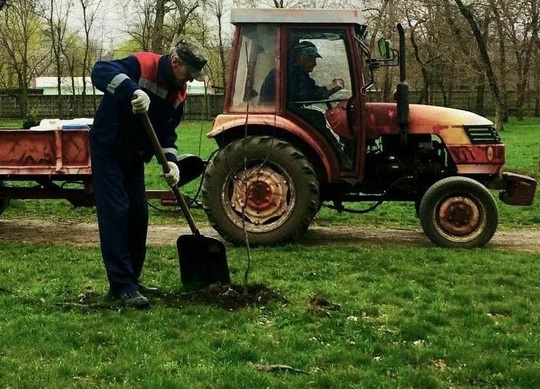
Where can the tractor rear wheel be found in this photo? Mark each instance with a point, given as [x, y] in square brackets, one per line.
[260, 187]
[458, 212]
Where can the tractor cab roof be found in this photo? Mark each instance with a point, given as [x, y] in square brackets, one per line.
[297, 16]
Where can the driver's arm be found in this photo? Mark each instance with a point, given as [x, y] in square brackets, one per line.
[324, 92]
[307, 89]
[336, 85]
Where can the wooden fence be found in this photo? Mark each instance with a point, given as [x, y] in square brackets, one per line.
[46, 106]
[466, 100]
[207, 107]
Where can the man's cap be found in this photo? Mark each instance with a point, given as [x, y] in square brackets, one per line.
[307, 48]
[194, 57]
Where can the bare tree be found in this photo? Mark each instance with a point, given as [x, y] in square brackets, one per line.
[157, 28]
[520, 20]
[502, 56]
[161, 23]
[382, 20]
[56, 18]
[185, 10]
[463, 56]
[146, 28]
[24, 54]
[217, 8]
[468, 14]
[161, 10]
[90, 10]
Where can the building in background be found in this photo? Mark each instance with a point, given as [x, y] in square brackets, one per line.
[49, 86]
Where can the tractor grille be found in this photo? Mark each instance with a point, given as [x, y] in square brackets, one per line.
[483, 135]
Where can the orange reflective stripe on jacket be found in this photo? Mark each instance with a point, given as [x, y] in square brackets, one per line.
[148, 80]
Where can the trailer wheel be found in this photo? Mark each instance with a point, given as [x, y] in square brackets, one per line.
[263, 184]
[458, 212]
[3, 202]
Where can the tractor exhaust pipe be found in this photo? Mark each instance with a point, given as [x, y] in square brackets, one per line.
[402, 91]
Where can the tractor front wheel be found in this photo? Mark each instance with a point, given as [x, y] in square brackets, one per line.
[458, 212]
[262, 189]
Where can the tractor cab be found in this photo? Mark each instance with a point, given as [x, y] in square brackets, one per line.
[299, 73]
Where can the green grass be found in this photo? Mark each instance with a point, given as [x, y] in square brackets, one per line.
[10, 123]
[404, 317]
[522, 142]
[522, 154]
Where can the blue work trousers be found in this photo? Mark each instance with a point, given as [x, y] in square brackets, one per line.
[122, 213]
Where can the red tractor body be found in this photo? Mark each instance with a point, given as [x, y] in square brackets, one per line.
[286, 147]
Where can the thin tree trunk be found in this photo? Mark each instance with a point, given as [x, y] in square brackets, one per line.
[480, 96]
[502, 62]
[492, 81]
[157, 35]
[424, 96]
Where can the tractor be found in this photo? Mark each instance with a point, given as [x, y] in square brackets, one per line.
[280, 158]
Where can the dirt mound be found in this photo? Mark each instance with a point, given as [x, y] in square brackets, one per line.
[230, 297]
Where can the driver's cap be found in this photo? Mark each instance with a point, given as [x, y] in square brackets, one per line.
[307, 48]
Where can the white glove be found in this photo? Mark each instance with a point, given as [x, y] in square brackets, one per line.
[173, 176]
[141, 102]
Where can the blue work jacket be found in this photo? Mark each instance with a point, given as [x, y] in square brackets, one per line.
[116, 126]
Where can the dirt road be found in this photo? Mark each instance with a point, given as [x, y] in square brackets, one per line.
[86, 234]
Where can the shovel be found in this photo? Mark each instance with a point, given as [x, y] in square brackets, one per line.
[203, 260]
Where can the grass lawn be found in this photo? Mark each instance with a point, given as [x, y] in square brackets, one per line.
[354, 317]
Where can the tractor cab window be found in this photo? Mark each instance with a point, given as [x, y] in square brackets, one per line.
[319, 86]
[257, 58]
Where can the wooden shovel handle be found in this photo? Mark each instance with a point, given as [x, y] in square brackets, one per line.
[160, 155]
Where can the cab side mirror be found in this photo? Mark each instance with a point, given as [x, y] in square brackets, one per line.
[388, 55]
[384, 48]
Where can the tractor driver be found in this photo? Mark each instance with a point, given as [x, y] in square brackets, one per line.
[303, 88]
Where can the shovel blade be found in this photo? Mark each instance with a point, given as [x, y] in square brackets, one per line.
[203, 261]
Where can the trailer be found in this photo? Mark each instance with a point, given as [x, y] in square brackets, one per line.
[51, 161]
